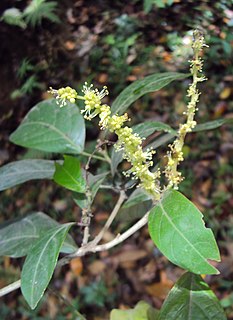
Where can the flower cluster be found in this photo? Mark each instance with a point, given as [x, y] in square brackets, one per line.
[64, 94]
[93, 105]
[129, 142]
[175, 155]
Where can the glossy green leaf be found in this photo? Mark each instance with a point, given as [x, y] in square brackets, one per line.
[177, 228]
[152, 314]
[18, 236]
[149, 127]
[137, 196]
[140, 87]
[21, 171]
[13, 16]
[40, 263]
[138, 313]
[69, 174]
[48, 127]
[210, 125]
[191, 299]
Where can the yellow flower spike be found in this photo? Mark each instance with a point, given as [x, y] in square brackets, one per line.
[129, 142]
[175, 155]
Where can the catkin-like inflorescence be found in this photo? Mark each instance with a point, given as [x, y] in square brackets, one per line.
[129, 142]
[175, 154]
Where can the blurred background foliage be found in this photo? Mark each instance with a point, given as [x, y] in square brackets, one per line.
[113, 43]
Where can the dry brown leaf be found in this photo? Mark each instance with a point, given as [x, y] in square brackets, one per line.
[161, 288]
[76, 266]
[225, 93]
[130, 255]
[96, 267]
[70, 45]
[205, 187]
[102, 78]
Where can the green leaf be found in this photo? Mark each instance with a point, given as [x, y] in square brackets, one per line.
[210, 125]
[152, 314]
[48, 127]
[191, 299]
[69, 175]
[116, 159]
[13, 16]
[138, 313]
[149, 127]
[37, 10]
[21, 171]
[18, 236]
[177, 228]
[40, 264]
[147, 5]
[161, 140]
[137, 196]
[140, 87]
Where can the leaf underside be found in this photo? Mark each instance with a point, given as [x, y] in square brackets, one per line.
[18, 236]
[18, 172]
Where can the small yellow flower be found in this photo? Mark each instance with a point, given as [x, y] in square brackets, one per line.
[64, 94]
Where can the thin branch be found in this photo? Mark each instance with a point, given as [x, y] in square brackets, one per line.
[97, 248]
[86, 235]
[112, 216]
[110, 187]
[86, 154]
[122, 237]
[11, 287]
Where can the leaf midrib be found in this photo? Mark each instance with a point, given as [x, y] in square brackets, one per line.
[15, 238]
[38, 262]
[50, 126]
[181, 234]
[72, 177]
[152, 83]
[27, 172]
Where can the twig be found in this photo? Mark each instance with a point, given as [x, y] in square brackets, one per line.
[86, 235]
[86, 154]
[122, 237]
[112, 216]
[97, 248]
[11, 287]
[110, 187]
